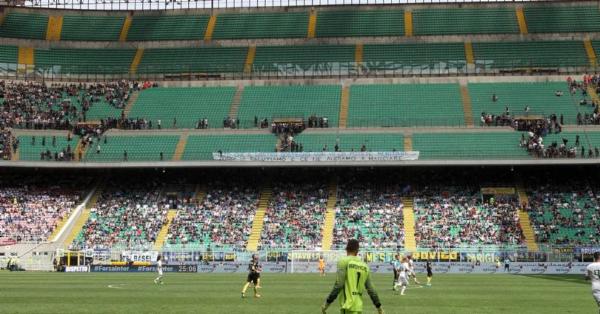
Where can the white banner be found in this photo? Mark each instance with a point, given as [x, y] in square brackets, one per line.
[77, 269]
[318, 156]
[139, 256]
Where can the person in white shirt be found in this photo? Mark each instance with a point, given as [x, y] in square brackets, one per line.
[411, 270]
[402, 270]
[593, 274]
[159, 269]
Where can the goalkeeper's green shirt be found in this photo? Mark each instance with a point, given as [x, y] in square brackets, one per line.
[353, 279]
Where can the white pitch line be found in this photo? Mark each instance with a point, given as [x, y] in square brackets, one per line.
[116, 286]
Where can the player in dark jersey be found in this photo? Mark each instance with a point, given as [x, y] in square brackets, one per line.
[429, 272]
[254, 270]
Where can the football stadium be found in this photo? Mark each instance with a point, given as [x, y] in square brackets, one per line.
[299, 156]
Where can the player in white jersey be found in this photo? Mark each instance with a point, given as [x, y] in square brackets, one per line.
[402, 271]
[411, 270]
[159, 269]
[593, 274]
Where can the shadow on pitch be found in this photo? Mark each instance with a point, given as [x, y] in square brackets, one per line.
[562, 278]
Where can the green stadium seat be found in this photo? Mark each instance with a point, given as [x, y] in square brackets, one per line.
[32, 152]
[185, 60]
[374, 142]
[261, 25]
[299, 101]
[530, 54]
[202, 147]
[8, 55]
[167, 27]
[405, 105]
[187, 105]
[91, 28]
[24, 25]
[139, 148]
[469, 146]
[334, 23]
[561, 19]
[415, 58]
[322, 59]
[465, 21]
[89, 61]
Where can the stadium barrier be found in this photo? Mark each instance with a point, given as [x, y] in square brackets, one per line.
[318, 156]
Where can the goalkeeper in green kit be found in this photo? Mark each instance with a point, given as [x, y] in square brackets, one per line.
[353, 278]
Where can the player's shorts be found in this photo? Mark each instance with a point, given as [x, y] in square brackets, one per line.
[429, 274]
[402, 279]
[596, 294]
[396, 274]
[412, 273]
[160, 272]
[253, 278]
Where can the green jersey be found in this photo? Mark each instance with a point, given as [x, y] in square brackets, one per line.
[353, 279]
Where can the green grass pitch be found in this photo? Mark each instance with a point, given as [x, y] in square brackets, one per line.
[284, 293]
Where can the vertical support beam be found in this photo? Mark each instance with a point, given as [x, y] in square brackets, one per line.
[136, 60]
[125, 28]
[408, 24]
[249, 60]
[54, 27]
[467, 108]
[312, 24]
[210, 27]
[591, 53]
[469, 53]
[521, 20]
[344, 104]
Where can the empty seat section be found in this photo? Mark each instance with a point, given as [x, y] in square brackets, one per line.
[186, 105]
[530, 54]
[540, 97]
[418, 58]
[299, 101]
[405, 105]
[8, 54]
[167, 27]
[347, 142]
[139, 148]
[90, 28]
[184, 60]
[24, 25]
[360, 23]
[326, 59]
[31, 149]
[261, 25]
[469, 146]
[94, 61]
[465, 21]
[560, 19]
[596, 46]
[202, 147]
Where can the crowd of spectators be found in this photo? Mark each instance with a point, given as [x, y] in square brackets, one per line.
[373, 215]
[222, 220]
[295, 216]
[8, 144]
[30, 210]
[461, 218]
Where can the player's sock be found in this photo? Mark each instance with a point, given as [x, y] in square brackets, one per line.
[256, 295]
[402, 291]
[429, 281]
[245, 288]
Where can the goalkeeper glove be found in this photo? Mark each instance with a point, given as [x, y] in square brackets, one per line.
[324, 307]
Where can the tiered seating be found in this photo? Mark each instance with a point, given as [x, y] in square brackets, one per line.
[294, 216]
[465, 21]
[24, 25]
[560, 19]
[30, 150]
[433, 58]
[187, 105]
[333, 23]
[202, 147]
[261, 25]
[91, 28]
[370, 214]
[405, 105]
[460, 218]
[184, 60]
[128, 215]
[319, 59]
[167, 27]
[139, 148]
[539, 97]
[8, 54]
[530, 54]
[469, 146]
[596, 46]
[374, 142]
[290, 101]
[222, 221]
[89, 61]
[565, 215]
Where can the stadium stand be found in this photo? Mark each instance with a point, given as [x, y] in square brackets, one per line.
[287, 60]
[186, 105]
[186, 60]
[84, 61]
[24, 25]
[342, 23]
[418, 57]
[373, 142]
[468, 146]
[405, 105]
[261, 25]
[202, 147]
[138, 148]
[465, 21]
[530, 54]
[43, 147]
[8, 55]
[562, 19]
[167, 27]
[91, 28]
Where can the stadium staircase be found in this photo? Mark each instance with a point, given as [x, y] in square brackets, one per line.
[130, 103]
[125, 28]
[410, 243]
[54, 29]
[408, 23]
[210, 27]
[162, 234]
[312, 24]
[249, 59]
[83, 216]
[344, 103]
[259, 219]
[521, 20]
[591, 53]
[180, 148]
[467, 106]
[592, 92]
[469, 55]
[200, 193]
[235, 102]
[359, 52]
[139, 54]
[408, 143]
[80, 150]
[25, 59]
[525, 222]
[329, 222]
